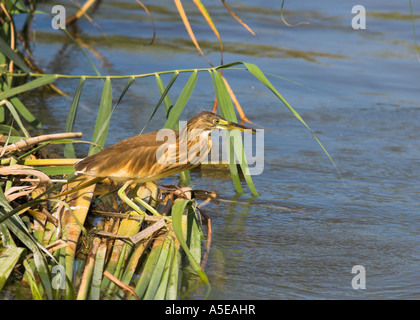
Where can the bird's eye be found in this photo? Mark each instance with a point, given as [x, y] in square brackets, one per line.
[216, 121]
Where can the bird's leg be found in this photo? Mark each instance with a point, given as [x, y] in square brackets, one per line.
[124, 198]
[144, 203]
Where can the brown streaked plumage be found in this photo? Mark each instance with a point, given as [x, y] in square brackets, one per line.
[135, 158]
[141, 158]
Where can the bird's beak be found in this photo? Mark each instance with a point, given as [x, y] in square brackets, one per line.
[231, 125]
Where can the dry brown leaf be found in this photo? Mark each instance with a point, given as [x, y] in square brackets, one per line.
[187, 25]
[237, 18]
[153, 22]
[19, 191]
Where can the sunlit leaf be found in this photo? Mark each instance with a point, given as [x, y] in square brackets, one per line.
[99, 134]
[263, 79]
[12, 55]
[237, 18]
[41, 81]
[210, 22]
[187, 25]
[177, 212]
[175, 111]
[71, 118]
[162, 98]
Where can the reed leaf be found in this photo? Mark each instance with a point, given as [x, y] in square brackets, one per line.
[237, 18]
[162, 97]
[164, 242]
[95, 289]
[184, 176]
[173, 115]
[173, 281]
[16, 117]
[19, 230]
[15, 224]
[210, 22]
[257, 73]
[187, 25]
[132, 265]
[56, 170]
[116, 272]
[194, 234]
[23, 111]
[99, 134]
[39, 82]
[36, 293]
[128, 227]
[148, 268]
[177, 213]
[68, 148]
[88, 270]
[18, 6]
[8, 259]
[105, 125]
[227, 111]
[167, 100]
[12, 55]
[73, 221]
[8, 129]
[160, 293]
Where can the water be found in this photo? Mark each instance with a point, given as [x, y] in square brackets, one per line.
[302, 236]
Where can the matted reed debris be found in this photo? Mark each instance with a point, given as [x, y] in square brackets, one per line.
[88, 244]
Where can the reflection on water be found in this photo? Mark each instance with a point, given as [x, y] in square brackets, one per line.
[302, 237]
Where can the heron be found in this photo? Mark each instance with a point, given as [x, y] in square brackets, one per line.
[148, 157]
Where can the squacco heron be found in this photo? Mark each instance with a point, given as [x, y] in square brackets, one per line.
[148, 157]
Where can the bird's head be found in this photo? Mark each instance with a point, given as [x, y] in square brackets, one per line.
[207, 120]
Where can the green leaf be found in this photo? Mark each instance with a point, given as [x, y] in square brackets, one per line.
[175, 111]
[256, 72]
[19, 6]
[162, 97]
[12, 55]
[147, 271]
[5, 129]
[163, 284]
[166, 101]
[36, 293]
[98, 270]
[24, 112]
[172, 287]
[100, 132]
[158, 271]
[56, 170]
[227, 112]
[177, 212]
[16, 117]
[8, 260]
[41, 81]
[68, 148]
[18, 228]
[236, 141]
[184, 177]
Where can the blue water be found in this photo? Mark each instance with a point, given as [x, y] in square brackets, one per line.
[359, 92]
